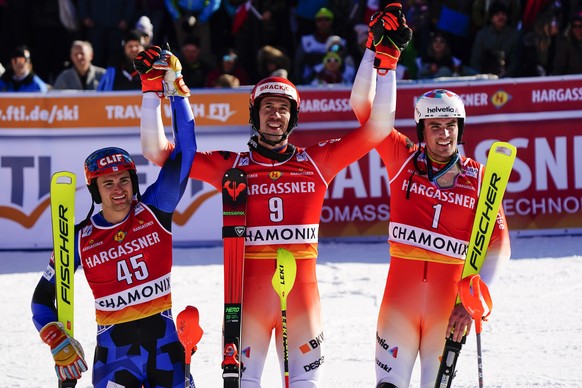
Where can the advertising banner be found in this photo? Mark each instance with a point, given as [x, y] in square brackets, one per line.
[42, 134]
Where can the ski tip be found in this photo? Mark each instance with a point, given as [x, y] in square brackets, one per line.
[504, 148]
[63, 178]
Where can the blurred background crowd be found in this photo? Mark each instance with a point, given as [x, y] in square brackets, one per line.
[90, 44]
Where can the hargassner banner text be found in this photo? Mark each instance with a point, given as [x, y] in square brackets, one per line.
[42, 134]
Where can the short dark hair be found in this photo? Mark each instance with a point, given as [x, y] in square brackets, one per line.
[132, 35]
[497, 7]
[191, 39]
[21, 51]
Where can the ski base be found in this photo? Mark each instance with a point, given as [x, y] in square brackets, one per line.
[234, 202]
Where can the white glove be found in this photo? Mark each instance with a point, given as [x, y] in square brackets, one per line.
[173, 80]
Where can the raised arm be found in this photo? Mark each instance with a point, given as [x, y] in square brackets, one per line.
[388, 35]
[161, 77]
[364, 87]
[373, 95]
[155, 146]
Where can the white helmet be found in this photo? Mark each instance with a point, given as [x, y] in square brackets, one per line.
[439, 103]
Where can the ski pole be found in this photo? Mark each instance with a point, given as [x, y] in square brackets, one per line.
[476, 299]
[189, 333]
[283, 281]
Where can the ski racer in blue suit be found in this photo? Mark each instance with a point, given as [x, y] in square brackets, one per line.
[125, 251]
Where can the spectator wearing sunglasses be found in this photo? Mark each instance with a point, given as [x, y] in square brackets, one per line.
[336, 44]
[228, 64]
[313, 47]
[331, 73]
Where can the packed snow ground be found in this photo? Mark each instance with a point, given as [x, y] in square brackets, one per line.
[532, 339]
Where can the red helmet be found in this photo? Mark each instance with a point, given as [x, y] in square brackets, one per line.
[106, 161]
[275, 87]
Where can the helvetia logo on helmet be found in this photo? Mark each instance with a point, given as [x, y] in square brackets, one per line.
[110, 159]
[438, 109]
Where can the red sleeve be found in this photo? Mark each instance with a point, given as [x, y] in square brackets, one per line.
[394, 149]
[209, 166]
[333, 155]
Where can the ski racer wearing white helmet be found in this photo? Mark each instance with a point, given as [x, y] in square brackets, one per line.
[433, 196]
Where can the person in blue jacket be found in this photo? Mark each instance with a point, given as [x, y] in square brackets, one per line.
[20, 76]
[125, 251]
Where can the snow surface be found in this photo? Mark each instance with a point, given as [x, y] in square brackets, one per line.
[532, 339]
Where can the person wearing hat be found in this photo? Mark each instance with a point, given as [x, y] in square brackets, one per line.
[122, 75]
[304, 15]
[568, 55]
[313, 47]
[145, 26]
[331, 72]
[20, 76]
[335, 44]
[125, 251]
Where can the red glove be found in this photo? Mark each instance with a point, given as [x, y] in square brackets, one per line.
[370, 42]
[152, 81]
[67, 352]
[151, 78]
[389, 35]
[144, 61]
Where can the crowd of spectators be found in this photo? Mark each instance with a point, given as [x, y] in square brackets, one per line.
[89, 44]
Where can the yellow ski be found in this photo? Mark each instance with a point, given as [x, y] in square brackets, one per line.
[63, 186]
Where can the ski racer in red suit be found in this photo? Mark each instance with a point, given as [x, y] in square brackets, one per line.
[433, 198]
[125, 251]
[286, 188]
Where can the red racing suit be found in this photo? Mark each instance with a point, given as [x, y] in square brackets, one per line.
[284, 205]
[428, 235]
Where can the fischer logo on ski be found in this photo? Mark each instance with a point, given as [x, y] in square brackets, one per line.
[63, 187]
[497, 171]
[486, 218]
[62, 200]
